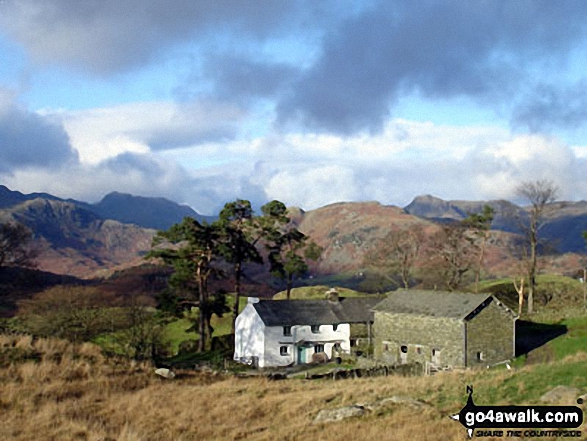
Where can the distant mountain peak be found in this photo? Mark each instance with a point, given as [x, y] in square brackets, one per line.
[150, 212]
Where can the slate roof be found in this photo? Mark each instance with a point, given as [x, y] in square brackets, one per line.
[432, 303]
[316, 312]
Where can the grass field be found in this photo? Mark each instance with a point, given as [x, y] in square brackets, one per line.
[53, 391]
[67, 392]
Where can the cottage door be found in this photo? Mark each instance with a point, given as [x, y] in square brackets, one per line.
[301, 355]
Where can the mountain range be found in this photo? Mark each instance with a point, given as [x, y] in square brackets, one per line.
[147, 212]
[563, 227]
[89, 240]
[82, 239]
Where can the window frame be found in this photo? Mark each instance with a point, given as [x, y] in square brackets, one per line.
[283, 351]
[287, 331]
[315, 329]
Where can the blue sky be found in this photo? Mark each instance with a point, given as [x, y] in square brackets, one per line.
[307, 102]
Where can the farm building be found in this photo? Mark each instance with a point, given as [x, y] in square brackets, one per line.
[272, 333]
[443, 329]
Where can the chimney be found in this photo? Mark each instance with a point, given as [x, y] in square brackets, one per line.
[252, 299]
[332, 295]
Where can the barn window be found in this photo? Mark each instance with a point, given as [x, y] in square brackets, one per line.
[315, 329]
[404, 349]
[287, 330]
[283, 350]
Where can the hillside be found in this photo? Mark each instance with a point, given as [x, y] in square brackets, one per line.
[75, 241]
[82, 395]
[348, 230]
[84, 239]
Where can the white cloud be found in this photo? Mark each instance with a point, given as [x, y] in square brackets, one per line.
[103, 133]
[307, 170]
[314, 187]
[130, 173]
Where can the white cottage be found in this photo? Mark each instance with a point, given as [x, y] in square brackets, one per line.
[285, 332]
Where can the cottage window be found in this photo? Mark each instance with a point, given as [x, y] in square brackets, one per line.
[418, 349]
[334, 327]
[315, 329]
[318, 348]
[480, 356]
[404, 349]
[283, 350]
[287, 330]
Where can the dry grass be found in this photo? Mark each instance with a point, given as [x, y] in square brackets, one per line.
[75, 394]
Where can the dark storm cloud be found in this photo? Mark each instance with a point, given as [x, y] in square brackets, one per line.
[112, 35]
[549, 107]
[361, 59]
[29, 139]
[439, 49]
[239, 78]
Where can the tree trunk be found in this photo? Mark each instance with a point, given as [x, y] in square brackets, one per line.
[237, 294]
[209, 328]
[289, 285]
[533, 264]
[520, 291]
[202, 312]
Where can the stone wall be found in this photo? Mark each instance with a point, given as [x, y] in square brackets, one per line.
[490, 336]
[420, 335]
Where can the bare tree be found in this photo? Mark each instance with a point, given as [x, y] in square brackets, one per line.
[398, 252]
[454, 251]
[539, 194]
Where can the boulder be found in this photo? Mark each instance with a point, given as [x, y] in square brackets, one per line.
[561, 395]
[165, 373]
[342, 413]
[403, 401]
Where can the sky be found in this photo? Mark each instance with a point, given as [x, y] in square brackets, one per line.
[307, 102]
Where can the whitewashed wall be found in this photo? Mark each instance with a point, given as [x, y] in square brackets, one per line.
[254, 339]
[249, 336]
[274, 339]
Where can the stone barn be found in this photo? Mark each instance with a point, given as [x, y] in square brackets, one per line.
[443, 329]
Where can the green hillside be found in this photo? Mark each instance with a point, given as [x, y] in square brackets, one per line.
[553, 292]
[316, 292]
